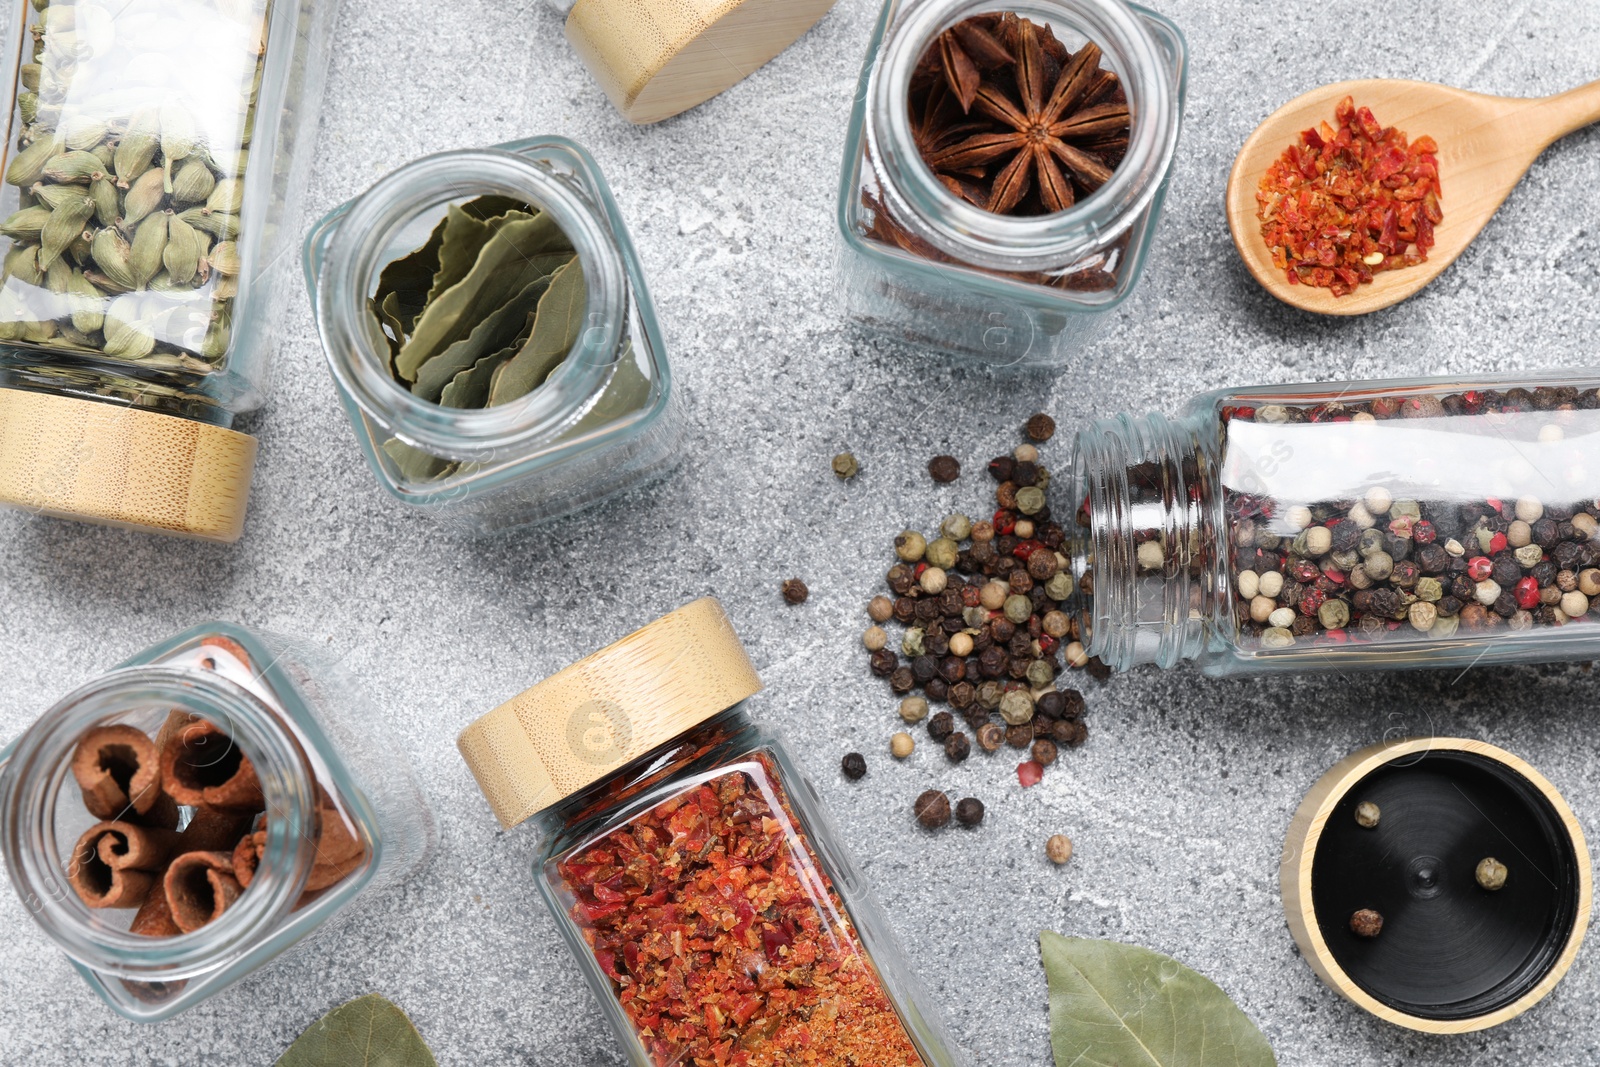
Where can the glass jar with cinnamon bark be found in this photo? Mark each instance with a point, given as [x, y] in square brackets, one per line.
[180, 821]
[690, 866]
[1004, 172]
[1422, 523]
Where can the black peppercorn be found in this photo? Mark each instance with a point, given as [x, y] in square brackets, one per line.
[884, 662]
[1507, 571]
[905, 609]
[1080, 734]
[1044, 752]
[795, 591]
[991, 736]
[854, 766]
[993, 662]
[1025, 473]
[1020, 736]
[963, 695]
[952, 669]
[957, 747]
[944, 468]
[1050, 705]
[1366, 923]
[927, 610]
[924, 668]
[932, 809]
[1001, 629]
[1040, 427]
[941, 726]
[937, 690]
[902, 680]
[1073, 706]
[1000, 468]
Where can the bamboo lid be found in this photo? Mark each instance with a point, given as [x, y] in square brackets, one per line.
[1452, 956]
[123, 466]
[658, 58]
[584, 722]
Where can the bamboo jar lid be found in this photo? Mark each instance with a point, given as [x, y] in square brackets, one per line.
[582, 723]
[658, 58]
[1452, 956]
[123, 466]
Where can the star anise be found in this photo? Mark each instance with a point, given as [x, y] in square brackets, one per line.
[965, 51]
[1045, 133]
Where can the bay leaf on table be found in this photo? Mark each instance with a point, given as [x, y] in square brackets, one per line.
[495, 332]
[470, 388]
[367, 1032]
[1124, 1005]
[556, 326]
[510, 260]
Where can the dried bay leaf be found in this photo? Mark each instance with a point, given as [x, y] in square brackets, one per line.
[556, 327]
[495, 332]
[487, 208]
[461, 244]
[470, 388]
[367, 1032]
[414, 464]
[508, 263]
[1121, 1004]
[409, 279]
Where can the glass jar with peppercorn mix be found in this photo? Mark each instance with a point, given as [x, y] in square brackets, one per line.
[1004, 172]
[489, 331]
[179, 822]
[156, 154]
[690, 866]
[1411, 523]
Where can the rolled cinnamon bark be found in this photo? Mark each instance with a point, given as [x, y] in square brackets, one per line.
[200, 887]
[118, 768]
[117, 864]
[203, 767]
[155, 918]
[247, 856]
[339, 852]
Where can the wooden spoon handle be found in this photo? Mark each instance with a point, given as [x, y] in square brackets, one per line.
[1571, 111]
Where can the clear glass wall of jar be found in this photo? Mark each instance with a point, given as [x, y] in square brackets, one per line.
[308, 733]
[606, 419]
[157, 152]
[1423, 523]
[924, 267]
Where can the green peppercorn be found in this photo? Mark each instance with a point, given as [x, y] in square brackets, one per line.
[912, 643]
[1060, 587]
[1016, 707]
[957, 527]
[1430, 590]
[1018, 608]
[932, 809]
[1333, 614]
[845, 465]
[1491, 874]
[1040, 673]
[1030, 500]
[910, 546]
[941, 553]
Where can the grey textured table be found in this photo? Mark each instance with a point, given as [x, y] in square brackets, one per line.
[1179, 802]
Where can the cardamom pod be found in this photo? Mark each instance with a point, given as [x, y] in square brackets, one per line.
[106, 284]
[88, 306]
[38, 332]
[193, 182]
[27, 167]
[22, 263]
[177, 131]
[128, 335]
[227, 198]
[222, 227]
[226, 288]
[106, 153]
[144, 197]
[57, 279]
[27, 224]
[229, 164]
[137, 149]
[28, 107]
[107, 201]
[65, 226]
[86, 135]
[53, 196]
[182, 255]
[218, 336]
[113, 254]
[149, 245]
[77, 167]
[29, 73]
[225, 259]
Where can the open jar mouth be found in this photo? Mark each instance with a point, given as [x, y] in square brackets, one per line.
[37, 839]
[357, 349]
[1036, 242]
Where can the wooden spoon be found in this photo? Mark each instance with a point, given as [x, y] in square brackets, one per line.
[1486, 144]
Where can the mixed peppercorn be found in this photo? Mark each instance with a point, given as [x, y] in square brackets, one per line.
[1384, 568]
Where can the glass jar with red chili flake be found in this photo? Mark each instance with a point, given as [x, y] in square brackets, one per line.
[1412, 523]
[690, 867]
[1004, 171]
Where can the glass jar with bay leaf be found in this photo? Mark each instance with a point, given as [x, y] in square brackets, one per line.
[1005, 169]
[487, 324]
[183, 819]
[155, 157]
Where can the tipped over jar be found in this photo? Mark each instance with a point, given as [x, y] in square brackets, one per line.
[1004, 172]
[1408, 523]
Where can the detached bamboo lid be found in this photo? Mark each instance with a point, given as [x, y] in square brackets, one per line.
[581, 724]
[1451, 955]
[658, 58]
[123, 466]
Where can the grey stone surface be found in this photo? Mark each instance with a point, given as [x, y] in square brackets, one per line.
[1179, 802]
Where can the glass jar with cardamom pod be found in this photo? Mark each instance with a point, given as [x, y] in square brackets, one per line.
[488, 328]
[183, 819]
[155, 157]
[1408, 523]
[1004, 172]
[690, 865]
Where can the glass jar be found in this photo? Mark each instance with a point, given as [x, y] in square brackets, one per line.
[657, 798]
[157, 156]
[604, 421]
[173, 736]
[1408, 523]
[926, 267]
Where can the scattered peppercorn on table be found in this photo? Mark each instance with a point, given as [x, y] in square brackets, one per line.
[1177, 806]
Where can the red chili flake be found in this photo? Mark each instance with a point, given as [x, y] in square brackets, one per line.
[1030, 773]
[1349, 202]
[729, 946]
[1479, 568]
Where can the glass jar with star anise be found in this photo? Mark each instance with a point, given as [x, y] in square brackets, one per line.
[1005, 169]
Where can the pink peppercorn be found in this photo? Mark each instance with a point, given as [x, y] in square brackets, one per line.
[1423, 532]
[1528, 593]
[1479, 568]
[1497, 544]
[1030, 773]
[1312, 600]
